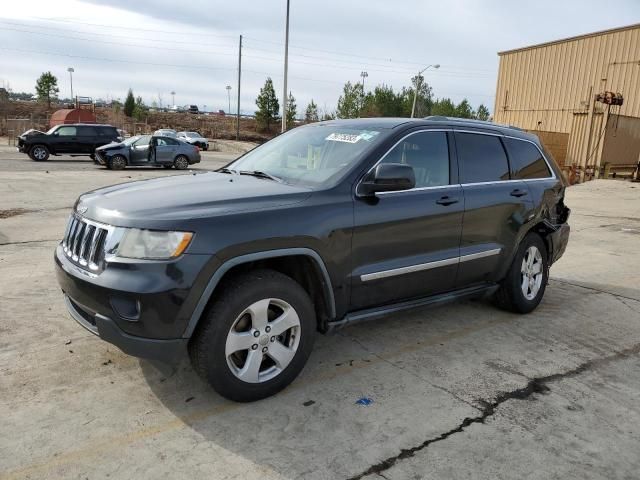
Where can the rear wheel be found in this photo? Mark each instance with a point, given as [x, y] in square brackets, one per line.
[256, 336]
[181, 162]
[523, 287]
[117, 162]
[39, 153]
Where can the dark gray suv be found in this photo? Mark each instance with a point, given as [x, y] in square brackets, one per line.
[328, 224]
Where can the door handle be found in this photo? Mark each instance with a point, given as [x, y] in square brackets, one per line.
[447, 200]
[518, 193]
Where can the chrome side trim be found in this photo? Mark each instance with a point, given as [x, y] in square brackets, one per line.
[410, 269]
[428, 266]
[475, 256]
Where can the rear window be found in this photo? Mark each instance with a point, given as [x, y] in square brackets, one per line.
[526, 160]
[482, 158]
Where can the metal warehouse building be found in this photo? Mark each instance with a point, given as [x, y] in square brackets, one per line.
[569, 92]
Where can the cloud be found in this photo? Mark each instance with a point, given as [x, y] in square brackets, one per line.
[159, 46]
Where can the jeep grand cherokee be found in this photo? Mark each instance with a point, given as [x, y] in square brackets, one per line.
[325, 225]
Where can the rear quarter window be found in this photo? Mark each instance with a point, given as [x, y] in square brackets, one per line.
[526, 160]
[481, 157]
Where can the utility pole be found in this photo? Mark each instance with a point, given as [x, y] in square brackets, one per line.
[286, 68]
[418, 81]
[239, 76]
[228, 87]
[173, 98]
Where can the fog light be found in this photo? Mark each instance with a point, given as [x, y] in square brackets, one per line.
[127, 308]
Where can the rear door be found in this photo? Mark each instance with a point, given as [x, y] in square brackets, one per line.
[497, 208]
[166, 149]
[87, 139]
[406, 243]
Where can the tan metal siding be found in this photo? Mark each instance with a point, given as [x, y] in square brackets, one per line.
[578, 151]
[550, 83]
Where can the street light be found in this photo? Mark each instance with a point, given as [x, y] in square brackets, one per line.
[173, 98]
[364, 75]
[228, 87]
[286, 69]
[71, 70]
[418, 78]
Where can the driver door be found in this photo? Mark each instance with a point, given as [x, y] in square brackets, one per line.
[140, 150]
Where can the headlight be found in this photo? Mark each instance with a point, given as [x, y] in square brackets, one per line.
[152, 244]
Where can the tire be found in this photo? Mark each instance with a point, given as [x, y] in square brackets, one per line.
[92, 156]
[117, 162]
[213, 356]
[511, 295]
[181, 162]
[39, 153]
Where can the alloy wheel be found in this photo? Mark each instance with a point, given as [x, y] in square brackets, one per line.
[263, 340]
[531, 273]
[40, 153]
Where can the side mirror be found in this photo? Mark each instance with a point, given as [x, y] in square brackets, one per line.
[56, 134]
[388, 177]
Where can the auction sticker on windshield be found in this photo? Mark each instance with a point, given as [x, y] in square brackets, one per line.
[343, 137]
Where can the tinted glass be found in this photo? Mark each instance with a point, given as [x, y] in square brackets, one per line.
[526, 160]
[87, 131]
[482, 158]
[428, 154]
[66, 131]
[107, 131]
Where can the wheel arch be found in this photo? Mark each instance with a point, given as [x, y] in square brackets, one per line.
[292, 262]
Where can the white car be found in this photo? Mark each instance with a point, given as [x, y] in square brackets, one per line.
[166, 132]
[194, 138]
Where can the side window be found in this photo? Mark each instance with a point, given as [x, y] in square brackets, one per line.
[167, 141]
[526, 160]
[66, 131]
[482, 158]
[87, 131]
[107, 132]
[427, 153]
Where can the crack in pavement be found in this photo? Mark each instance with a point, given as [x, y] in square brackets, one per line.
[395, 365]
[533, 386]
[579, 285]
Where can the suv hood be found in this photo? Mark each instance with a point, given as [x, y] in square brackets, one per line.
[31, 132]
[169, 201]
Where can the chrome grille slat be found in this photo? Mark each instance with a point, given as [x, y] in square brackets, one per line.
[84, 242]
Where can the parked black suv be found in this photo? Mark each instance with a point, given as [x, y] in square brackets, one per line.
[328, 224]
[69, 139]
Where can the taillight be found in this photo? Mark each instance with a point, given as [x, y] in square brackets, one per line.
[197, 148]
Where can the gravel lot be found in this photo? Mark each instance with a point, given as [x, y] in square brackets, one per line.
[459, 391]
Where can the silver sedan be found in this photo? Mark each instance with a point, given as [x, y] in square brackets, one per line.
[150, 150]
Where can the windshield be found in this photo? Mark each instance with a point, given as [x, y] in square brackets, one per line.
[52, 129]
[193, 134]
[137, 140]
[311, 155]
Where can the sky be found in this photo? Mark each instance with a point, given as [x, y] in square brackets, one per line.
[159, 46]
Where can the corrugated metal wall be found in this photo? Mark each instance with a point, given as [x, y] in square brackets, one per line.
[541, 87]
[579, 150]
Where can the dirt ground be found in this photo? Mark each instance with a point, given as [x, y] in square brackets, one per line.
[459, 391]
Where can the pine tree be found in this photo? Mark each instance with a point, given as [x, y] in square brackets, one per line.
[129, 104]
[292, 110]
[350, 101]
[311, 115]
[268, 105]
[47, 87]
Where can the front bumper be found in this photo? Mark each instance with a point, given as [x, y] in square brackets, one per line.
[167, 352]
[143, 308]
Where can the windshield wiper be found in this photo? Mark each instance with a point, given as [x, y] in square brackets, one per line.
[259, 174]
[226, 170]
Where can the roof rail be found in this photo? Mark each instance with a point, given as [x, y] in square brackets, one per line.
[441, 118]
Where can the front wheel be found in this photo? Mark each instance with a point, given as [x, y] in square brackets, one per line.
[523, 287]
[181, 162]
[39, 153]
[118, 162]
[256, 337]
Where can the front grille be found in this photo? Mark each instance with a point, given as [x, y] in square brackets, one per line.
[84, 243]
